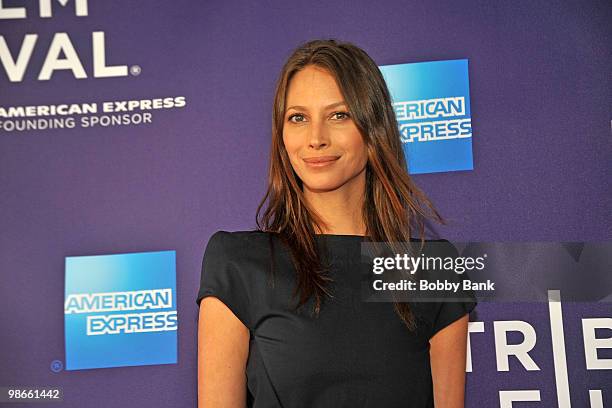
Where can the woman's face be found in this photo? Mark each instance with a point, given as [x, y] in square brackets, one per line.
[324, 146]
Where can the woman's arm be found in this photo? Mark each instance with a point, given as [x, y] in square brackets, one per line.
[447, 355]
[223, 349]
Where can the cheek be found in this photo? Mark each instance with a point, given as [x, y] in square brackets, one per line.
[356, 146]
[287, 144]
[291, 148]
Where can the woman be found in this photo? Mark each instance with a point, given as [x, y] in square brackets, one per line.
[282, 322]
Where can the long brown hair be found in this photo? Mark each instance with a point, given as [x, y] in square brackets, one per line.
[393, 206]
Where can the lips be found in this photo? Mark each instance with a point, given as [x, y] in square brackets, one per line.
[321, 159]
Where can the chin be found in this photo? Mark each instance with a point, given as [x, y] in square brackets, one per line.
[320, 187]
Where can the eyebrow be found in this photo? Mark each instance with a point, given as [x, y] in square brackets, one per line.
[333, 105]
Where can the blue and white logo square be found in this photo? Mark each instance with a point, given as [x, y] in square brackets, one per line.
[432, 106]
[120, 310]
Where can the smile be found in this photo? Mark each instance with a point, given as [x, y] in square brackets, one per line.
[323, 161]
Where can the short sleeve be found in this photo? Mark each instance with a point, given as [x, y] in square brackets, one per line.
[448, 311]
[222, 276]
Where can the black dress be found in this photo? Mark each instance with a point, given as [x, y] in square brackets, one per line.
[355, 354]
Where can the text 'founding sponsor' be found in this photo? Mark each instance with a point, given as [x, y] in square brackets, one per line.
[85, 115]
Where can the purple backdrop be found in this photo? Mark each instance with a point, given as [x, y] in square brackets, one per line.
[541, 115]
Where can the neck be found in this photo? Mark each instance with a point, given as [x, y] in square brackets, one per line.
[341, 208]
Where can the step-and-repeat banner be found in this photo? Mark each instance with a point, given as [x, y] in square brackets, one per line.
[131, 131]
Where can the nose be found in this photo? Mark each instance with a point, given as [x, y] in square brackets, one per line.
[318, 137]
